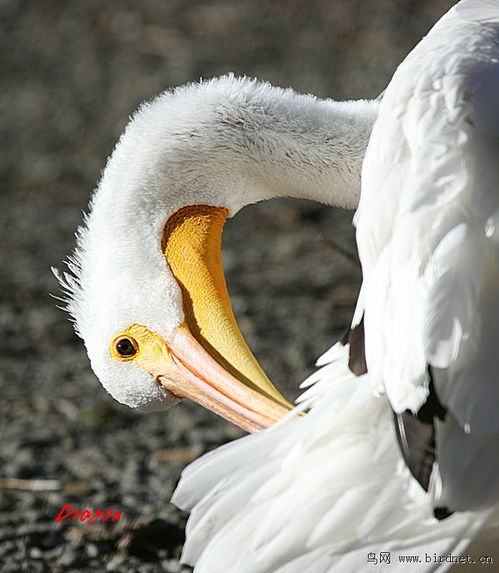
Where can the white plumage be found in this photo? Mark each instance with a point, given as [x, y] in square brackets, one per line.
[317, 493]
[431, 279]
[320, 492]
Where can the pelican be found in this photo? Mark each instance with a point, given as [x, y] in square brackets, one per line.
[395, 460]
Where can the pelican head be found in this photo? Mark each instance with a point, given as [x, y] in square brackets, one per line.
[146, 289]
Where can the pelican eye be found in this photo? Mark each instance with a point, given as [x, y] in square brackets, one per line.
[126, 347]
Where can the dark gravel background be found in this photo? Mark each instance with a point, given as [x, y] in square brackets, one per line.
[72, 72]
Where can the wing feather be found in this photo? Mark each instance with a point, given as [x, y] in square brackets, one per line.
[426, 231]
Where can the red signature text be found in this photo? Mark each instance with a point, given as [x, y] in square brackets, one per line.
[69, 512]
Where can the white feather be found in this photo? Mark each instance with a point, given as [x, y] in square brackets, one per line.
[431, 277]
[317, 493]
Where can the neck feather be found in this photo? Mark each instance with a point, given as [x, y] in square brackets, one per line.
[225, 143]
[230, 142]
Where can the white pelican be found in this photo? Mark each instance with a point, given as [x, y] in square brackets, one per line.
[326, 491]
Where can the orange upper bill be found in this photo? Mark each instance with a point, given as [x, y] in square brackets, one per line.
[213, 364]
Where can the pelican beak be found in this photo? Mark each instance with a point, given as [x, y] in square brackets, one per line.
[185, 369]
[207, 358]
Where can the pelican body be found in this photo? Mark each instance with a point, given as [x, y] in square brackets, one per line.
[428, 236]
[398, 449]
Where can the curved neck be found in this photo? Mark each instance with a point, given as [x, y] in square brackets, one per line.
[231, 142]
[296, 146]
[224, 143]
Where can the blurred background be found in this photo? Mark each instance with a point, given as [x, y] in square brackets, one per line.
[72, 73]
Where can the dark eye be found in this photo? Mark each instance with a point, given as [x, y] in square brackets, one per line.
[125, 347]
